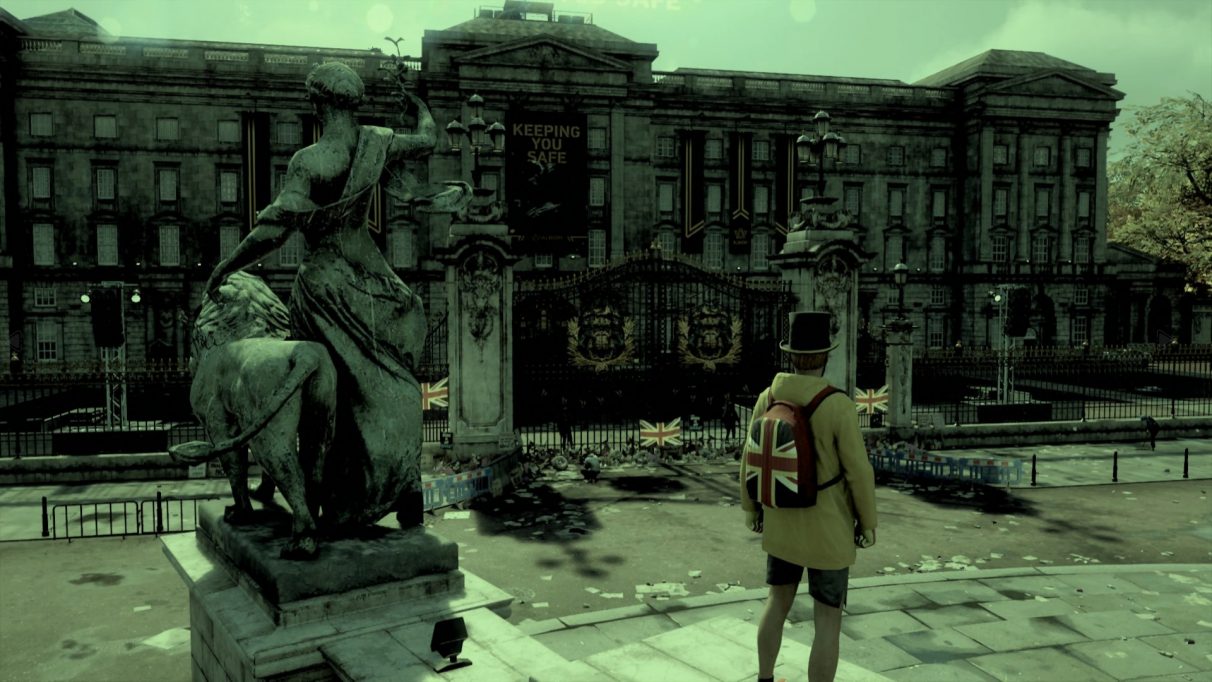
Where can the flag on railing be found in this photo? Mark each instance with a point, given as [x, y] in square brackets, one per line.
[870, 400]
[435, 395]
[661, 434]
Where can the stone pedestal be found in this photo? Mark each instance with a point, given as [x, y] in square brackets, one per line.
[899, 337]
[479, 285]
[822, 267]
[254, 616]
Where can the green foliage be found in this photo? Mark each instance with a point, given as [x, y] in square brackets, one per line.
[1160, 193]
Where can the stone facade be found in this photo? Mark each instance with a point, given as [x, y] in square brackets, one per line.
[991, 172]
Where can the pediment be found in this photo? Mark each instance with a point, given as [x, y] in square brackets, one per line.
[1054, 84]
[541, 52]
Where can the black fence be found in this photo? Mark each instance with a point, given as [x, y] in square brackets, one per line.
[119, 518]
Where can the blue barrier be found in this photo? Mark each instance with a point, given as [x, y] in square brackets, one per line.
[919, 463]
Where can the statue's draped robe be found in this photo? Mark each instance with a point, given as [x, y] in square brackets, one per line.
[347, 297]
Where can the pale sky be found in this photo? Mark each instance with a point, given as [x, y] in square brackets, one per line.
[1156, 48]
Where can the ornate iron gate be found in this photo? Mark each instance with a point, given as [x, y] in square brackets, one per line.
[650, 337]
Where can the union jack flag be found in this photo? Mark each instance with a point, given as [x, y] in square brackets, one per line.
[771, 469]
[435, 395]
[662, 433]
[871, 399]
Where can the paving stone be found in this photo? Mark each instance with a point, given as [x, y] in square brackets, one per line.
[949, 594]
[714, 654]
[949, 616]
[1099, 584]
[743, 610]
[640, 662]
[376, 657]
[1112, 625]
[1171, 582]
[538, 627]
[955, 671]
[1028, 585]
[485, 666]
[1198, 654]
[631, 630]
[526, 654]
[1040, 664]
[489, 629]
[888, 598]
[937, 646]
[1127, 659]
[1020, 633]
[1029, 608]
[1176, 612]
[573, 670]
[577, 643]
[880, 624]
[606, 615]
[1091, 603]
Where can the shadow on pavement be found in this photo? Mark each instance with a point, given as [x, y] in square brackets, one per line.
[957, 494]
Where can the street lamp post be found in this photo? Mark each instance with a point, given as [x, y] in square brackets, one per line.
[475, 134]
[113, 357]
[898, 334]
[900, 277]
[824, 145]
[1000, 298]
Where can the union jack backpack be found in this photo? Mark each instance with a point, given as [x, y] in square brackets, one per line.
[780, 455]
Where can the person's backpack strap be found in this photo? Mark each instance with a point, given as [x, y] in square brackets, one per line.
[809, 409]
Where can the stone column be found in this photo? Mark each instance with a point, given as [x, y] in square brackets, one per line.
[479, 294]
[822, 266]
[898, 334]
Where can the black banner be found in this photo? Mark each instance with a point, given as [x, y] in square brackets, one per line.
[785, 200]
[546, 180]
[694, 209]
[255, 150]
[740, 180]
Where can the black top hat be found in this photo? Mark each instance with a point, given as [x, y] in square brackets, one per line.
[808, 333]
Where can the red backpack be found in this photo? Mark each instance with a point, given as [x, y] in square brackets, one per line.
[780, 455]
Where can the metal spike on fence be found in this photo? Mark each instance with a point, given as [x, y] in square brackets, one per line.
[46, 521]
[1186, 458]
[1115, 466]
[1033, 470]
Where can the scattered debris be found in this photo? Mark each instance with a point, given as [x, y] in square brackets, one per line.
[1030, 558]
[145, 607]
[611, 595]
[592, 590]
[546, 577]
[696, 574]
[457, 515]
[540, 605]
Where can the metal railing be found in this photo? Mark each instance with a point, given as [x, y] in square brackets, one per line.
[149, 516]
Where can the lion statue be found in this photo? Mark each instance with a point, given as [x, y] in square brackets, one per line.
[254, 389]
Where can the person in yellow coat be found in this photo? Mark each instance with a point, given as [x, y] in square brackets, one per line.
[821, 538]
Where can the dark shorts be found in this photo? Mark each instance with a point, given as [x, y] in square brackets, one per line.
[827, 587]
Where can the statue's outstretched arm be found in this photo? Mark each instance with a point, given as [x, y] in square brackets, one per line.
[418, 144]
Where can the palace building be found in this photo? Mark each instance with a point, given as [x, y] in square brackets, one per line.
[142, 161]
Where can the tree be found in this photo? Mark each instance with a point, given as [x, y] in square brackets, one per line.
[1160, 192]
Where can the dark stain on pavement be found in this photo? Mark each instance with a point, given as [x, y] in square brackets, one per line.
[81, 650]
[647, 484]
[103, 579]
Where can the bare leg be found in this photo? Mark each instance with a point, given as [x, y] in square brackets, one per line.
[822, 663]
[770, 627]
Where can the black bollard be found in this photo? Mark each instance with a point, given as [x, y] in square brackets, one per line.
[1033, 470]
[1186, 457]
[159, 515]
[46, 521]
[1115, 466]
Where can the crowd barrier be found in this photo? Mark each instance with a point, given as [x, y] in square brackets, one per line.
[913, 462]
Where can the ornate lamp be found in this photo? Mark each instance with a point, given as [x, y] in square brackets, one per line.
[900, 276]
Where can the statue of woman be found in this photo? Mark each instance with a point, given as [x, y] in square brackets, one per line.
[347, 298]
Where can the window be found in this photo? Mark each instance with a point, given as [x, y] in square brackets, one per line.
[938, 157]
[229, 239]
[1081, 330]
[896, 250]
[852, 153]
[939, 203]
[761, 200]
[896, 156]
[229, 183]
[543, 260]
[1081, 296]
[1001, 155]
[713, 249]
[291, 251]
[667, 241]
[1043, 156]
[167, 180]
[170, 245]
[289, 132]
[938, 295]
[40, 181]
[665, 192]
[664, 148]
[400, 245]
[1083, 157]
[936, 332]
[892, 296]
[278, 181]
[713, 150]
[761, 150]
[1001, 201]
[1043, 203]
[47, 332]
[41, 124]
[1083, 207]
[597, 138]
[896, 204]
[853, 199]
[760, 246]
[1081, 248]
[597, 191]
[715, 196]
[1001, 248]
[44, 244]
[938, 254]
[597, 248]
[104, 179]
[1041, 248]
[229, 131]
[105, 126]
[44, 297]
[167, 129]
[107, 244]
